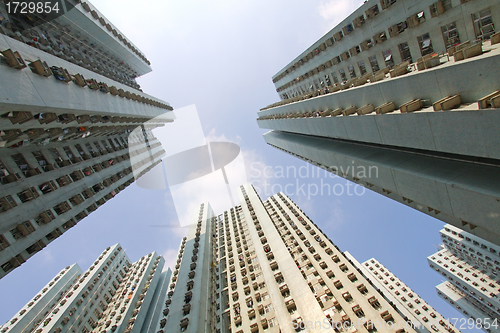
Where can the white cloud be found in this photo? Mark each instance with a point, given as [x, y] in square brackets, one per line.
[337, 214]
[46, 256]
[335, 11]
[170, 257]
[212, 136]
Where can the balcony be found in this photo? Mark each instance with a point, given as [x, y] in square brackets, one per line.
[285, 292]
[358, 311]
[347, 296]
[46, 117]
[374, 302]
[44, 217]
[184, 324]
[338, 284]
[387, 316]
[362, 289]
[28, 195]
[370, 327]
[290, 305]
[62, 208]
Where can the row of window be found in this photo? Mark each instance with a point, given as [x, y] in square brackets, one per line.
[449, 33]
[346, 30]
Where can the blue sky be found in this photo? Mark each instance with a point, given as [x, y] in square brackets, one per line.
[220, 55]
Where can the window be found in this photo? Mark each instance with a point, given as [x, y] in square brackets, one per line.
[404, 51]
[389, 61]
[348, 29]
[374, 63]
[372, 12]
[416, 19]
[483, 24]
[450, 35]
[362, 67]
[425, 44]
[335, 78]
[352, 73]
[68, 152]
[440, 7]
[328, 81]
[342, 75]
[397, 29]
[6, 203]
[23, 165]
[41, 159]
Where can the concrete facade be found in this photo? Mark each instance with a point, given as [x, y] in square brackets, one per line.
[358, 38]
[69, 113]
[477, 252]
[273, 270]
[190, 304]
[426, 127]
[113, 295]
[475, 289]
[471, 266]
[469, 307]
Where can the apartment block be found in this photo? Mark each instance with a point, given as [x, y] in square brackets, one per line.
[267, 267]
[477, 252]
[75, 127]
[469, 307]
[400, 98]
[35, 311]
[471, 266]
[113, 295]
[469, 290]
[424, 317]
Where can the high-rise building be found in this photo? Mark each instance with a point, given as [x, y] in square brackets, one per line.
[113, 295]
[477, 252]
[267, 266]
[425, 318]
[68, 105]
[401, 98]
[470, 266]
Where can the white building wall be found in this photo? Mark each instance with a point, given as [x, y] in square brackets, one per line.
[472, 249]
[476, 287]
[424, 316]
[476, 312]
[33, 312]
